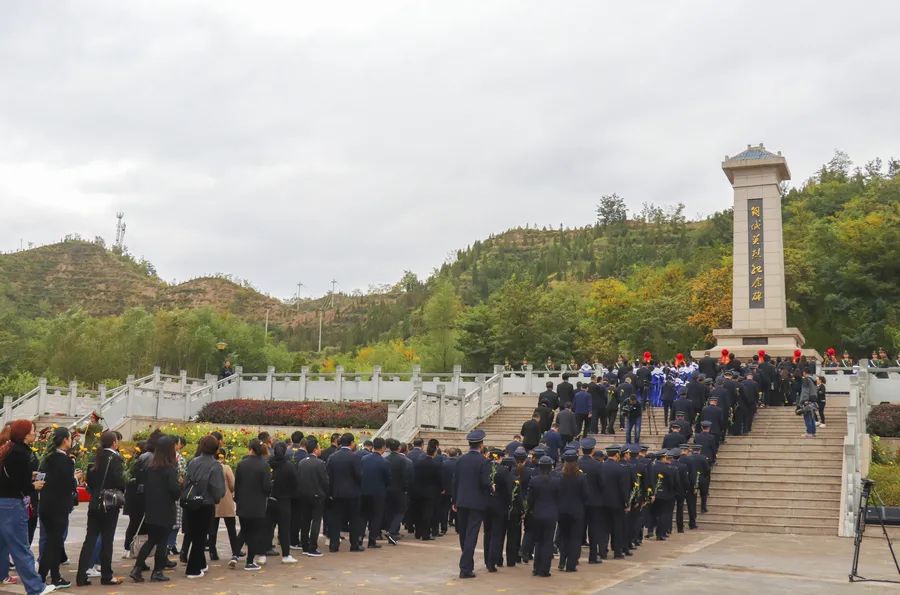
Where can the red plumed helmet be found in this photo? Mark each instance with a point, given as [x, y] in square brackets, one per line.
[679, 357]
[797, 353]
[724, 353]
[647, 356]
[830, 352]
[761, 353]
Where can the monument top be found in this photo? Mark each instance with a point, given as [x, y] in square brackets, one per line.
[756, 156]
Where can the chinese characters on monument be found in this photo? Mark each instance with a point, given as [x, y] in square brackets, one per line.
[755, 235]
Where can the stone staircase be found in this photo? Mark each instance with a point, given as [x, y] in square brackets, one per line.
[775, 481]
[770, 481]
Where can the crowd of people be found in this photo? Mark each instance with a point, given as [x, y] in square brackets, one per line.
[550, 491]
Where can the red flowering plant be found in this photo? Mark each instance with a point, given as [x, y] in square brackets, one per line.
[322, 414]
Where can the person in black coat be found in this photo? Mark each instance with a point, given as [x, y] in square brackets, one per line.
[573, 494]
[376, 478]
[401, 471]
[549, 397]
[57, 498]
[532, 432]
[664, 492]
[707, 441]
[108, 473]
[685, 406]
[161, 490]
[599, 400]
[345, 474]
[471, 486]
[593, 501]
[312, 488]
[427, 486]
[252, 486]
[543, 510]
[667, 397]
[546, 419]
[616, 489]
[565, 391]
[696, 392]
[284, 488]
[698, 472]
[497, 510]
[716, 416]
[673, 438]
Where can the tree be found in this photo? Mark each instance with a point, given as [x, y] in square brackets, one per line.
[611, 209]
[439, 316]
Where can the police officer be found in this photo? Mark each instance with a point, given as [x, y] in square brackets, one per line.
[497, 510]
[616, 488]
[698, 468]
[715, 415]
[471, 487]
[682, 476]
[521, 475]
[673, 438]
[543, 512]
[707, 441]
[572, 497]
[593, 501]
[663, 499]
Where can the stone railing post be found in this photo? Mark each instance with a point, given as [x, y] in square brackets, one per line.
[304, 379]
[129, 399]
[339, 383]
[156, 375]
[480, 397]
[376, 384]
[183, 383]
[417, 387]
[210, 381]
[392, 417]
[42, 396]
[457, 380]
[7, 409]
[441, 389]
[101, 393]
[499, 370]
[529, 379]
[238, 371]
[73, 393]
[416, 374]
[270, 382]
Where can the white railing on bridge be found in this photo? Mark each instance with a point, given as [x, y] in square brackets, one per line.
[868, 387]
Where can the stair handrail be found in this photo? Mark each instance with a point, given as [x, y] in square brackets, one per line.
[488, 392]
[24, 398]
[408, 409]
[112, 397]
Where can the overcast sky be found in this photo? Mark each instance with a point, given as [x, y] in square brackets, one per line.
[285, 142]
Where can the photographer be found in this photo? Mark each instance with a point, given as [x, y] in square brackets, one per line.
[807, 404]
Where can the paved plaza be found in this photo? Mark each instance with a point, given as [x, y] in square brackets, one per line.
[696, 562]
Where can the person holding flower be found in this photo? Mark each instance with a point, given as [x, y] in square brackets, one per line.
[56, 504]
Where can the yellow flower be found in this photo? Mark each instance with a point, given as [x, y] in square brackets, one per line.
[54, 426]
[96, 434]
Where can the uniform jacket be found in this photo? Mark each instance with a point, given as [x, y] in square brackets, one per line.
[565, 392]
[593, 479]
[345, 474]
[543, 497]
[616, 484]
[472, 481]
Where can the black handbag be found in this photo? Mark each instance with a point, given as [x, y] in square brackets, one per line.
[190, 499]
[110, 499]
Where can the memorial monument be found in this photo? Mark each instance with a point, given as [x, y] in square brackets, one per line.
[758, 311]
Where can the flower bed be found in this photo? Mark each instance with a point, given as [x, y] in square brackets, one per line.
[884, 420]
[293, 413]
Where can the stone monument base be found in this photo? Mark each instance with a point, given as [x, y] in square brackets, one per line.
[745, 343]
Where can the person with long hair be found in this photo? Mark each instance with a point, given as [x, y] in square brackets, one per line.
[107, 475]
[57, 500]
[162, 491]
[134, 491]
[252, 486]
[16, 482]
[204, 486]
[225, 511]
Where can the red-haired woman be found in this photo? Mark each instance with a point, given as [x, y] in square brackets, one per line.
[16, 482]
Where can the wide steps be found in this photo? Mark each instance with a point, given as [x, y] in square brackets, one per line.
[793, 528]
[717, 502]
[785, 518]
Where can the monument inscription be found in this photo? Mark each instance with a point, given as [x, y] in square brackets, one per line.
[757, 282]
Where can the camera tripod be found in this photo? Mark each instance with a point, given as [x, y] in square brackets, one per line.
[868, 490]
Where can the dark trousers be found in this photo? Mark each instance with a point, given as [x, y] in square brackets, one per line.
[822, 411]
[513, 538]
[197, 523]
[635, 521]
[543, 545]
[691, 501]
[667, 412]
[679, 513]
[99, 524]
[280, 514]
[704, 493]
[253, 533]
[582, 423]
[311, 511]
[494, 533]
[598, 420]
[343, 510]
[231, 527]
[157, 536]
[51, 556]
[442, 513]
[135, 516]
[593, 520]
[423, 512]
[663, 512]
[527, 550]
[296, 507]
[372, 514]
[395, 509]
[468, 522]
[612, 530]
[570, 536]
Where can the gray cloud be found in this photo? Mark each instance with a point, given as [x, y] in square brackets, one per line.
[301, 141]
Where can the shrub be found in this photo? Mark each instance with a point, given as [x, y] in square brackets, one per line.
[884, 420]
[887, 482]
[292, 413]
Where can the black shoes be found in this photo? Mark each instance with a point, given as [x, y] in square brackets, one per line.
[391, 540]
[158, 577]
[135, 575]
[465, 574]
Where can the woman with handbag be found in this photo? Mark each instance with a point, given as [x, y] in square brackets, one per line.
[225, 511]
[162, 491]
[58, 498]
[204, 486]
[106, 483]
[16, 482]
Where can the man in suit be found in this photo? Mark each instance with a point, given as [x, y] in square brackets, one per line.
[698, 468]
[684, 406]
[565, 419]
[416, 453]
[616, 489]
[599, 396]
[345, 475]
[426, 488]
[471, 487]
[531, 431]
[401, 471]
[709, 444]
[448, 469]
[582, 410]
[593, 502]
[696, 392]
[716, 416]
[549, 397]
[376, 478]
[313, 486]
[709, 367]
[565, 391]
[335, 437]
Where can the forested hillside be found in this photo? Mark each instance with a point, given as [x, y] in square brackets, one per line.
[628, 283]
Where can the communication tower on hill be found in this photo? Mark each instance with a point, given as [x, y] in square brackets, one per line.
[119, 246]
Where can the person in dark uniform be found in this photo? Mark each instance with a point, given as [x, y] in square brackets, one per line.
[582, 411]
[543, 510]
[565, 392]
[521, 474]
[471, 487]
[527, 550]
[376, 479]
[750, 397]
[698, 468]
[673, 438]
[566, 421]
[623, 393]
[716, 416]
[667, 397]
[593, 501]
[546, 415]
[616, 488]
[682, 475]
[495, 515]
[531, 431]
[572, 498]
[345, 477]
[707, 441]
[549, 397]
[684, 406]
[639, 490]
[683, 426]
[599, 398]
[663, 500]
[696, 392]
[709, 366]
